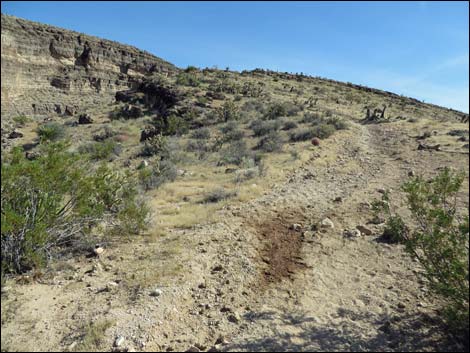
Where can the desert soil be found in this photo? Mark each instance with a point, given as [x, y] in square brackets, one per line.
[259, 278]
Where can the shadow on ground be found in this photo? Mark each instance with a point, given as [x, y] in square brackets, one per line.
[402, 332]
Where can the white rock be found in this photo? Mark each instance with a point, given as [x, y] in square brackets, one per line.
[327, 223]
[119, 341]
[156, 292]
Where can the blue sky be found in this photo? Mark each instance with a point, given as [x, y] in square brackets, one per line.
[419, 49]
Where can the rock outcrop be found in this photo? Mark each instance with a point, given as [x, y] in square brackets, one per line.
[48, 70]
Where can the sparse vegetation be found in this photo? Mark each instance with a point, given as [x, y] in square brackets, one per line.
[50, 132]
[438, 238]
[51, 205]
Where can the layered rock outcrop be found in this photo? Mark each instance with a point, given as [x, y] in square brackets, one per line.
[48, 70]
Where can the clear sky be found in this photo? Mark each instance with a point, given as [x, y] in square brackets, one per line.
[419, 49]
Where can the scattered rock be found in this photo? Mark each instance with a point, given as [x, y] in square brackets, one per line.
[327, 223]
[85, 119]
[411, 173]
[353, 233]
[234, 318]
[338, 199]
[119, 341]
[15, 135]
[143, 164]
[156, 292]
[364, 230]
[31, 155]
[72, 346]
[98, 250]
[217, 268]
[193, 349]
[316, 141]
[296, 226]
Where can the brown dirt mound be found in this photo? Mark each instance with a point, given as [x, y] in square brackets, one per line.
[281, 251]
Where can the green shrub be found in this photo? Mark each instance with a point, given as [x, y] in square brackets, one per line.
[228, 112]
[218, 195]
[50, 205]
[438, 239]
[172, 125]
[323, 131]
[312, 118]
[270, 143]
[188, 79]
[289, 125]
[301, 135]
[338, 123]
[155, 146]
[50, 132]
[21, 120]
[275, 110]
[261, 127]
[101, 150]
[235, 153]
[201, 134]
[153, 177]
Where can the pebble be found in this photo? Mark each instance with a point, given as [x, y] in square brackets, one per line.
[156, 292]
[327, 223]
[119, 341]
[364, 230]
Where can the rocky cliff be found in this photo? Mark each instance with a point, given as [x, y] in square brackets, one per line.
[52, 71]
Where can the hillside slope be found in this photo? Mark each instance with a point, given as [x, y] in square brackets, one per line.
[234, 258]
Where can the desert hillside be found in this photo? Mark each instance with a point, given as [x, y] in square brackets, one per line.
[259, 187]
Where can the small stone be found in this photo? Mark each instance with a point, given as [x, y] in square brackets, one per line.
[98, 250]
[364, 230]
[354, 233]
[72, 345]
[217, 268]
[411, 173]
[296, 226]
[156, 292]
[15, 135]
[309, 234]
[327, 223]
[381, 191]
[338, 199]
[85, 119]
[119, 341]
[193, 349]
[235, 318]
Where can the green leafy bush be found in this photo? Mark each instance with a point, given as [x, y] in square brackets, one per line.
[301, 135]
[21, 120]
[201, 134]
[261, 127]
[438, 238]
[188, 78]
[50, 205]
[235, 153]
[323, 131]
[155, 146]
[271, 143]
[218, 195]
[228, 111]
[153, 177]
[101, 150]
[50, 132]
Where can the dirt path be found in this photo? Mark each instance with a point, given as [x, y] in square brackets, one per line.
[255, 281]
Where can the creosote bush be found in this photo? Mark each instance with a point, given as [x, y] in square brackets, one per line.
[52, 205]
[438, 239]
[50, 132]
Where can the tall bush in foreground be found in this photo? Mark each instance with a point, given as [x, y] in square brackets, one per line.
[438, 239]
[50, 205]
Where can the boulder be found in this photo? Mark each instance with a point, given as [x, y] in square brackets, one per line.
[84, 119]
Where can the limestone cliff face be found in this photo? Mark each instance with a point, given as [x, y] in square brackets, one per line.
[48, 70]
